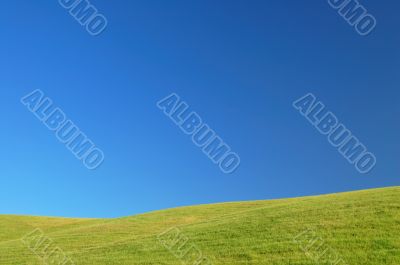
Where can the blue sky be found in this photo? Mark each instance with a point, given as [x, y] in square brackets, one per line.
[239, 64]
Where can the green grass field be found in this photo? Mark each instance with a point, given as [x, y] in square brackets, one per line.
[360, 227]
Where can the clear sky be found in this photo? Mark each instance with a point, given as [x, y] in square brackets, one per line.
[238, 64]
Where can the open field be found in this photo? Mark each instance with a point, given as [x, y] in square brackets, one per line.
[360, 227]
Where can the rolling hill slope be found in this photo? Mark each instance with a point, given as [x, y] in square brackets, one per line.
[360, 227]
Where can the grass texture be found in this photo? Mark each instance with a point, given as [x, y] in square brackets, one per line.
[361, 227]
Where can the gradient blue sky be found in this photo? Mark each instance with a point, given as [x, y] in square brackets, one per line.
[239, 64]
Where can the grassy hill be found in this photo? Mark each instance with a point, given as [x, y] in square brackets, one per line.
[360, 227]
